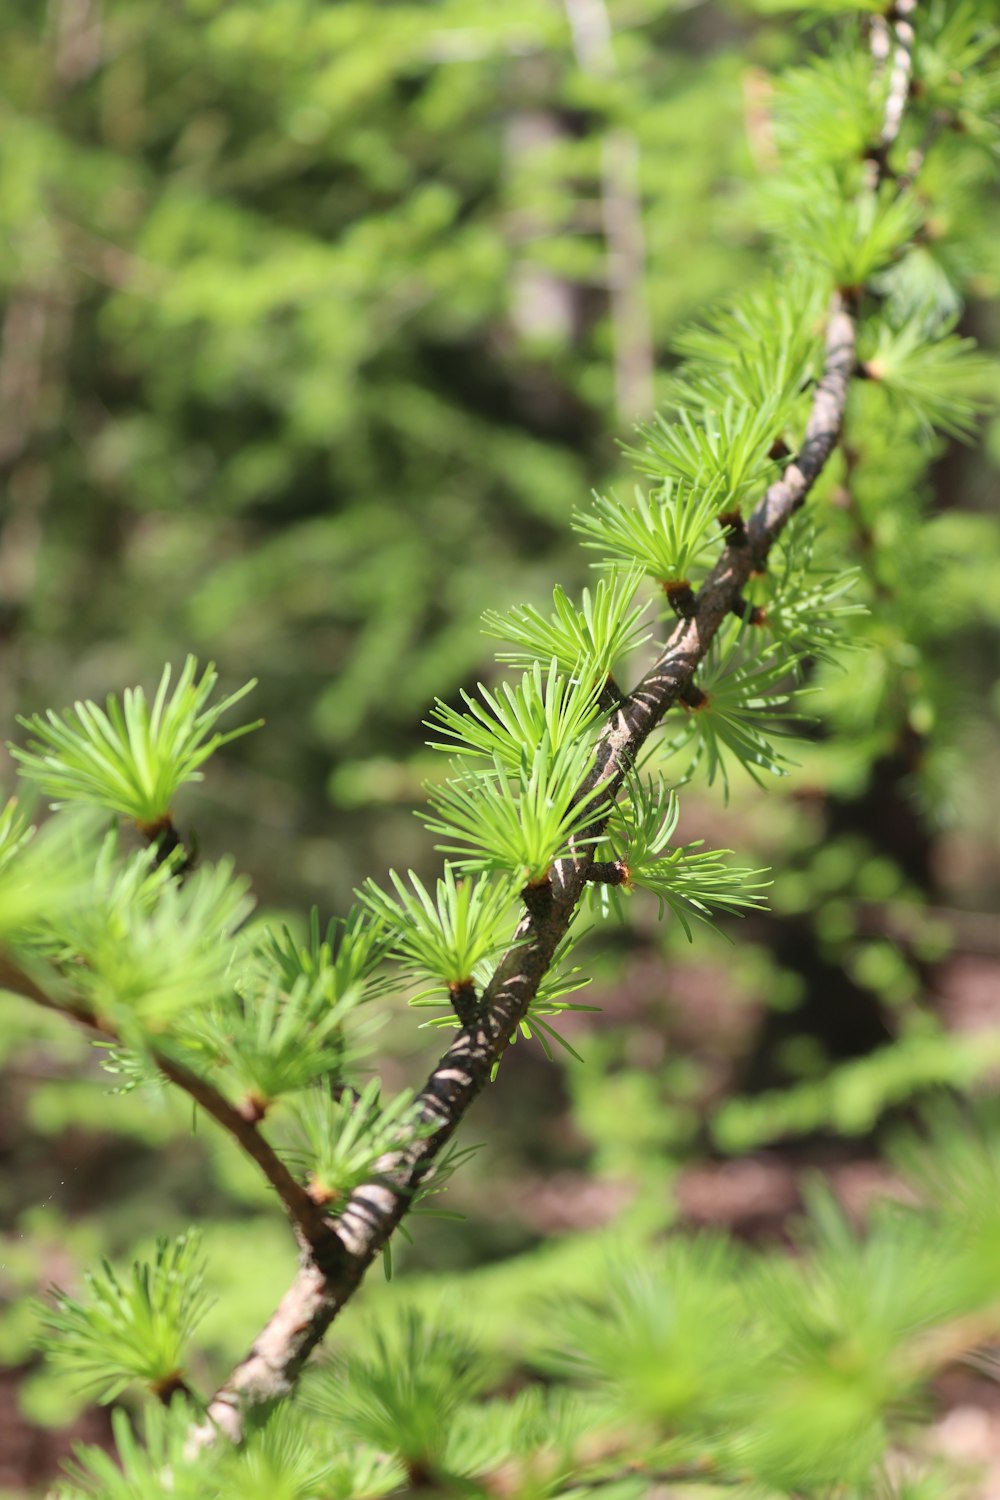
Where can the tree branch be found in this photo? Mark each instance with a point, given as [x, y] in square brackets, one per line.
[373, 1211]
[901, 70]
[308, 1218]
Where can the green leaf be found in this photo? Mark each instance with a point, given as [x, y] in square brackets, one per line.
[276, 1041]
[806, 604]
[131, 1329]
[743, 706]
[447, 935]
[491, 820]
[586, 642]
[723, 453]
[851, 236]
[44, 873]
[667, 533]
[343, 962]
[514, 721]
[760, 347]
[136, 1471]
[403, 1397]
[144, 949]
[131, 757]
[667, 1340]
[560, 979]
[830, 112]
[690, 880]
[942, 381]
[338, 1142]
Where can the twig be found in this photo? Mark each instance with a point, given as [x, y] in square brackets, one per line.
[902, 69]
[328, 1279]
[306, 1215]
[374, 1210]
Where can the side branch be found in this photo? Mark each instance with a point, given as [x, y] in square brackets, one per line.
[306, 1215]
[374, 1210]
[901, 66]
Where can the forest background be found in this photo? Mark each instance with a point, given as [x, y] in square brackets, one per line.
[319, 321]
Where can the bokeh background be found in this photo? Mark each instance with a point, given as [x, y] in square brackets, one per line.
[318, 320]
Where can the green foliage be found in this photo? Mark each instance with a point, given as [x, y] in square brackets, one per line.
[807, 604]
[691, 881]
[133, 757]
[447, 936]
[404, 1396]
[280, 1461]
[136, 1471]
[561, 979]
[661, 1341]
[723, 453]
[43, 872]
[517, 824]
[144, 948]
[762, 348]
[276, 278]
[339, 1141]
[132, 1329]
[743, 707]
[940, 380]
[275, 1041]
[830, 111]
[549, 706]
[673, 1358]
[852, 238]
[667, 533]
[343, 963]
[607, 626]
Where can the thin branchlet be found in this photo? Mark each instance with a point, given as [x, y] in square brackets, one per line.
[374, 1210]
[313, 1228]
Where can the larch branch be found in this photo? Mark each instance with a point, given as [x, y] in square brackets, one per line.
[306, 1215]
[374, 1210]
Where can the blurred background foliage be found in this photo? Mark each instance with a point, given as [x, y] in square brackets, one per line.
[318, 320]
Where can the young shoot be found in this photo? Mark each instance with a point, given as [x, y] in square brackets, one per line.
[587, 641]
[338, 1142]
[511, 724]
[447, 935]
[668, 533]
[518, 824]
[131, 757]
[134, 1328]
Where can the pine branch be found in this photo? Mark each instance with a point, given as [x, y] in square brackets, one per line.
[339, 1251]
[896, 26]
[374, 1210]
[306, 1215]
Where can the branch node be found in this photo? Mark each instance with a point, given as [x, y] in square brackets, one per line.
[734, 526]
[680, 597]
[252, 1108]
[161, 834]
[692, 698]
[750, 614]
[464, 1000]
[537, 897]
